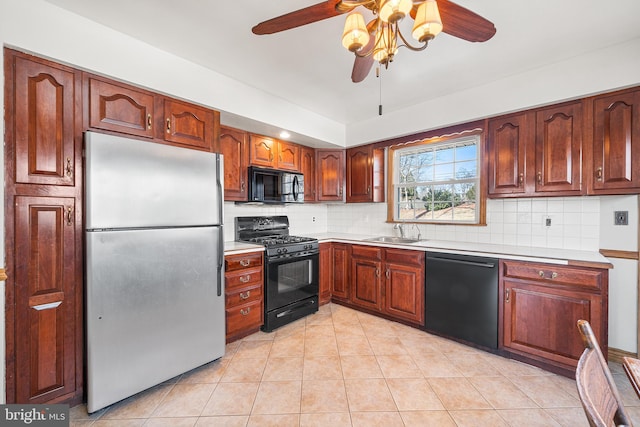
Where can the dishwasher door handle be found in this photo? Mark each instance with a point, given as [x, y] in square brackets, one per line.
[459, 261]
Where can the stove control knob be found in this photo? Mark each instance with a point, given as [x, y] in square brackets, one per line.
[284, 250]
[279, 250]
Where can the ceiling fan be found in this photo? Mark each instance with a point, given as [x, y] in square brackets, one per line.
[380, 39]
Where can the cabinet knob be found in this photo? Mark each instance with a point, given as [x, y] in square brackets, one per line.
[149, 121]
[507, 295]
[368, 189]
[168, 125]
[539, 178]
[599, 173]
[69, 216]
[520, 179]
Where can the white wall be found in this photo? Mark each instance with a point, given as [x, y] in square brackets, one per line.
[623, 278]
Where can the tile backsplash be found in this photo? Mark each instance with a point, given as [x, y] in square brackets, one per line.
[575, 221]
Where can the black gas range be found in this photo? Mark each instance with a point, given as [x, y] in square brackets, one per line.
[291, 268]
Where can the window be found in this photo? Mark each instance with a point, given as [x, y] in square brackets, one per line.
[437, 181]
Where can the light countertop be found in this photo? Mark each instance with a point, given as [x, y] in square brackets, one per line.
[522, 253]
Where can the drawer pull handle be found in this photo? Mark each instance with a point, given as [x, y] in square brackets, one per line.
[168, 125]
[245, 279]
[508, 292]
[149, 121]
[245, 312]
[245, 262]
[520, 179]
[539, 177]
[552, 276]
[599, 173]
[69, 215]
[245, 295]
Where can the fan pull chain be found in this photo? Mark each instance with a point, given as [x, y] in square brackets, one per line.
[379, 76]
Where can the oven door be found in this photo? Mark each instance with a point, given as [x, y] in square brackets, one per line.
[290, 279]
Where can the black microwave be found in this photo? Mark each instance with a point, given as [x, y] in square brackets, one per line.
[275, 186]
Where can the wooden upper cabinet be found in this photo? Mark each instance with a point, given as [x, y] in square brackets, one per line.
[330, 175]
[616, 143]
[271, 153]
[262, 151]
[189, 125]
[308, 169]
[48, 365]
[559, 149]
[120, 108]
[365, 174]
[507, 142]
[46, 121]
[233, 145]
[288, 156]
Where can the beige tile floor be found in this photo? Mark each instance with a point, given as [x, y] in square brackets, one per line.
[340, 367]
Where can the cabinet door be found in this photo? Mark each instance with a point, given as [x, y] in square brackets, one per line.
[262, 151]
[507, 142]
[540, 321]
[46, 284]
[366, 277]
[288, 156]
[325, 269]
[308, 169]
[45, 122]
[403, 289]
[330, 175]
[616, 143]
[359, 174]
[340, 271]
[120, 108]
[188, 125]
[232, 144]
[559, 148]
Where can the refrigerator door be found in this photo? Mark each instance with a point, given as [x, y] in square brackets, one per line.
[147, 325]
[134, 184]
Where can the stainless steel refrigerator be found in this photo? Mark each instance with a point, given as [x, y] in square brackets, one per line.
[154, 264]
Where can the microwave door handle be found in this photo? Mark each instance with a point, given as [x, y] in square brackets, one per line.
[295, 188]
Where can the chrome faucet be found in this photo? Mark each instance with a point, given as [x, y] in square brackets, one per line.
[400, 227]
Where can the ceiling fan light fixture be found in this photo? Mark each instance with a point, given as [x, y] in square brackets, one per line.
[355, 34]
[428, 23]
[386, 45]
[392, 11]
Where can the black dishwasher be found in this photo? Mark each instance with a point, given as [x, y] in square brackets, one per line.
[461, 297]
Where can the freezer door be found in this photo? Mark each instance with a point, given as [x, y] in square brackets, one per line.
[154, 308]
[132, 183]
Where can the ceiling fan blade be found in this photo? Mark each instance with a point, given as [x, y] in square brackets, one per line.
[298, 18]
[462, 23]
[362, 64]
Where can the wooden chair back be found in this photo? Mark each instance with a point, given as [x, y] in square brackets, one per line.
[598, 393]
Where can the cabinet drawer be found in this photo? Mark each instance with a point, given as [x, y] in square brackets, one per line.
[243, 278]
[243, 296]
[405, 256]
[555, 274]
[369, 252]
[238, 262]
[246, 316]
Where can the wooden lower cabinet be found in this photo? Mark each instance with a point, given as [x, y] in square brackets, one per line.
[388, 281]
[244, 294]
[542, 305]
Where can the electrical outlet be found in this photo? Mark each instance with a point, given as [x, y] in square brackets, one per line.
[621, 218]
[547, 221]
[313, 219]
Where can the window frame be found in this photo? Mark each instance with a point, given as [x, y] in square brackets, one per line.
[440, 140]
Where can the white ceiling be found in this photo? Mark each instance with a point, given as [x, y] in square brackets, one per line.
[308, 66]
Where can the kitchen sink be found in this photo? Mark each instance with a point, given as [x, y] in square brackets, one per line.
[392, 239]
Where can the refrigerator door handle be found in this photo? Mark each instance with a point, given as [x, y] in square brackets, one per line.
[219, 188]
